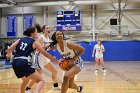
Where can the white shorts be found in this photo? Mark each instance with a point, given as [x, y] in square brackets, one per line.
[97, 55]
[39, 61]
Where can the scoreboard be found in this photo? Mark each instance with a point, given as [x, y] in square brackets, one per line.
[68, 20]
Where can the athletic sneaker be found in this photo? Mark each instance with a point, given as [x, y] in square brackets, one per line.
[27, 91]
[56, 88]
[96, 72]
[104, 70]
[80, 89]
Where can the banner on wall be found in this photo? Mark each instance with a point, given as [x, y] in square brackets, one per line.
[11, 26]
[28, 21]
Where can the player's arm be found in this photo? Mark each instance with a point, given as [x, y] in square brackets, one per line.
[42, 51]
[76, 47]
[103, 49]
[93, 51]
[40, 41]
[11, 48]
[54, 47]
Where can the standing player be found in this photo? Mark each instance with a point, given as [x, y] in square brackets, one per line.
[72, 52]
[44, 62]
[99, 49]
[21, 63]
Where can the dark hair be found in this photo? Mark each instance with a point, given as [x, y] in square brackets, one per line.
[43, 27]
[29, 31]
[38, 27]
[54, 41]
[53, 38]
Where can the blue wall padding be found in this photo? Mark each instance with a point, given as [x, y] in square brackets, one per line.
[114, 51]
[55, 53]
[122, 50]
[86, 55]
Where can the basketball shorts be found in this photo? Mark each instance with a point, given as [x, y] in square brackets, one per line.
[39, 61]
[97, 55]
[22, 68]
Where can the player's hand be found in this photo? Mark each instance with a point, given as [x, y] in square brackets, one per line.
[92, 55]
[70, 63]
[46, 45]
[8, 55]
[58, 61]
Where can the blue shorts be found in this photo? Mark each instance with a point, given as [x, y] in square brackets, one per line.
[22, 68]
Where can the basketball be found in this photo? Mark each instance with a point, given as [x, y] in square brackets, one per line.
[63, 64]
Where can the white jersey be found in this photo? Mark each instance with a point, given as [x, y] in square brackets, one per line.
[45, 40]
[98, 49]
[69, 54]
[40, 60]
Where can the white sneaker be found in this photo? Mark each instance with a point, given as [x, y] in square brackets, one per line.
[96, 72]
[27, 91]
[56, 88]
[104, 71]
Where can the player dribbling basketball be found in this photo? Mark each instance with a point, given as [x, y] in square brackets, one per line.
[72, 52]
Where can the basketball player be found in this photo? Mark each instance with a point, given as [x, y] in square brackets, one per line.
[21, 63]
[44, 62]
[72, 52]
[99, 49]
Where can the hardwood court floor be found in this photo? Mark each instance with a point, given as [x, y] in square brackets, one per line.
[121, 77]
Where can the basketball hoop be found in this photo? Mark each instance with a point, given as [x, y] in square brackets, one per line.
[119, 35]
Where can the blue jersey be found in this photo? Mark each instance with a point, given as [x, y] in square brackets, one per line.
[24, 47]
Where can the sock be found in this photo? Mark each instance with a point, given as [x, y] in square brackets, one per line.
[79, 88]
[103, 68]
[28, 88]
[55, 84]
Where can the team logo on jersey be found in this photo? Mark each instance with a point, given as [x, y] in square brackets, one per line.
[67, 55]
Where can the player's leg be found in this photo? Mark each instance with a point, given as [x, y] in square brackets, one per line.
[38, 79]
[72, 85]
[97, 60]
[68, 75]
[31, 82]
[46, 64]
[50, 67]
[103, 64]
[24, 84]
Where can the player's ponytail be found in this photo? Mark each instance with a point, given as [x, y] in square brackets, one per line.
[43, 27]
[51, 45]
[38, 27]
